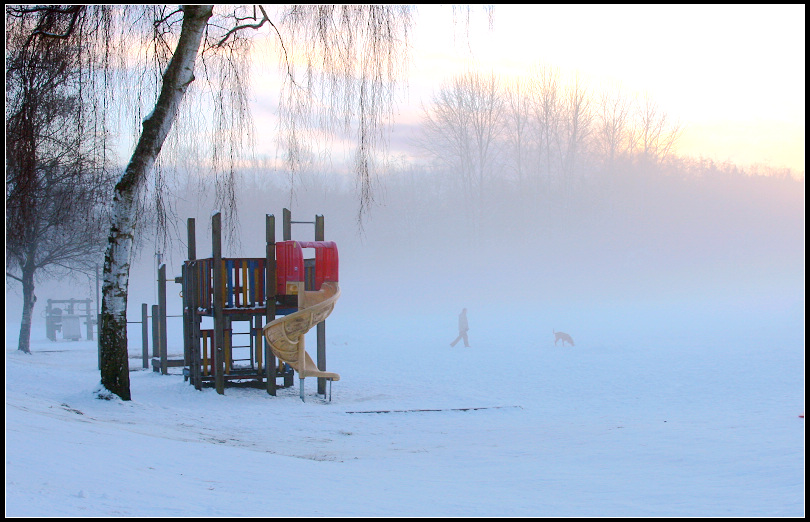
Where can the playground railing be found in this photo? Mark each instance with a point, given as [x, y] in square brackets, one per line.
[243, 279]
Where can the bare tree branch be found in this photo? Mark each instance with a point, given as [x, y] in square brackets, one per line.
[257, 25]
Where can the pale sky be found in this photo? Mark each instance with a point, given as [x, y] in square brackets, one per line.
[734, 75]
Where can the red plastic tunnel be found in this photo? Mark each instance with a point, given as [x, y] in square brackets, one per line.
[290, 263]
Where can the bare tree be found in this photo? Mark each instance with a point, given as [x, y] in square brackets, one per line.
[546, 95]
[576, 127]
[485, 104]
[655, 135]
[446, 137]
[56, 176]
[517, 117]
[613, 120]
[462, 129]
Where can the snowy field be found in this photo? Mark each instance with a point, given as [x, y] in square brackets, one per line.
[671, 411]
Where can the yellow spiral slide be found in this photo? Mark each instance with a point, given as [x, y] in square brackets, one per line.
[285, 335]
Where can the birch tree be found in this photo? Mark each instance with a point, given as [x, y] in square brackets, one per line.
[177, 77]
[352, 57]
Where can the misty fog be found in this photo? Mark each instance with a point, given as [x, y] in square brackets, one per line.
[680, 248]
[571, 226]
[683, 248]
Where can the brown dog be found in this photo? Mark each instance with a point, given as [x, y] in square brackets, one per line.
[564, 337]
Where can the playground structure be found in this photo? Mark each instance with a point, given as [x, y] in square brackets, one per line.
[65, 316]
[283, 291]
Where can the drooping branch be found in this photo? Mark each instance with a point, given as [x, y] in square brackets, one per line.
[47, 19]
[340, 79]
[257, 25]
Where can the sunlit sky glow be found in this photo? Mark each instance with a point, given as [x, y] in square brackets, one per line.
[734, 75]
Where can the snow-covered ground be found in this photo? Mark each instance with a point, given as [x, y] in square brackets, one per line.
[677, 411]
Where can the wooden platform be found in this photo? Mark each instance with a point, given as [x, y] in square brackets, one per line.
[170, 363]
[250, 374]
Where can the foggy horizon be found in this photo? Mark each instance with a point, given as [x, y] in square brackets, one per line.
[567, 223]
[729, 244]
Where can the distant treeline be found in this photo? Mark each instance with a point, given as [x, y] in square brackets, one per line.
[577, 185]
[677, 213]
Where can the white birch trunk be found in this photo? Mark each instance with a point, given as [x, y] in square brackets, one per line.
[113, 356]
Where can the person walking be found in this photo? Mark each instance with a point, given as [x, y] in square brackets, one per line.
[462, 329]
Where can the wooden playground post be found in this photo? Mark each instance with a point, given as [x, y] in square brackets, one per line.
[145, 334]
[321, 328]
[191, 323]
[164, 341]
[301, 349]
[89, 319]
[287, 224]
[219, 302]
[155, 334]
[185, 316]
[185, 278]
[50, 329]
[270, 299]
[192, 239]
